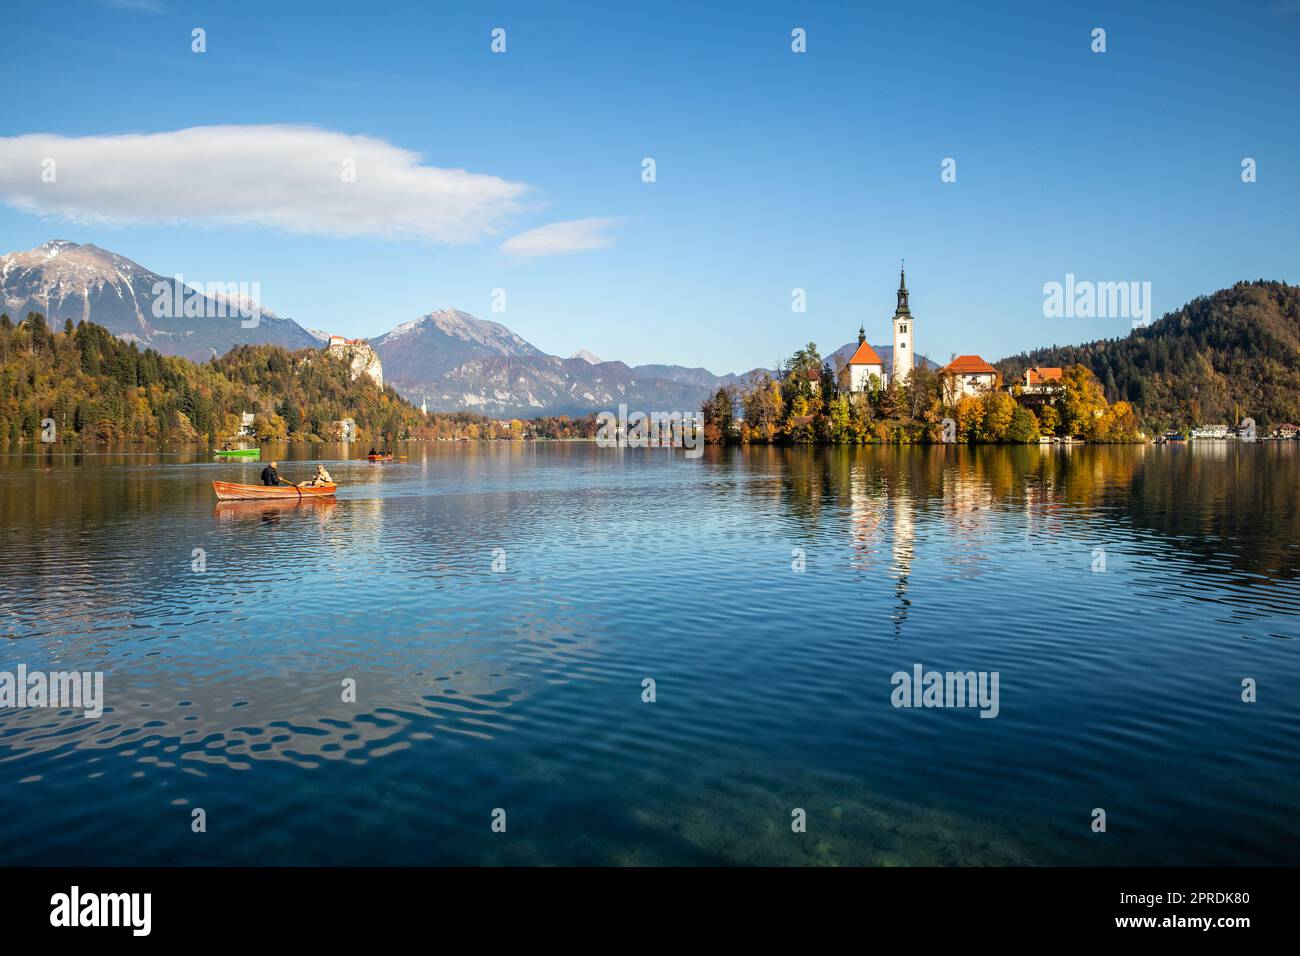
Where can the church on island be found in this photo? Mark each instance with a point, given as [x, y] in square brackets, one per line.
[964, 375]
[866, 362]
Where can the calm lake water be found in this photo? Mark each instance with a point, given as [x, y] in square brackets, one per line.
[521, 689]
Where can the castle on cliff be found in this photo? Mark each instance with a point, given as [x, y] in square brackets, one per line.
[361, 358]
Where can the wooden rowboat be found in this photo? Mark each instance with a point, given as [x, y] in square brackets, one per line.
[380, 457]
[228, 491]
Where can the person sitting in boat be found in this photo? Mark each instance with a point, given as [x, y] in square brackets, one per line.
[373, 453]
[271, 475]
[322, 477]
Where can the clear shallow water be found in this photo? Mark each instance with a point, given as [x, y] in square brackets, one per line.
[522, 689]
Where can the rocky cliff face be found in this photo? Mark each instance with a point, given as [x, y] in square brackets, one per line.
[361, 358]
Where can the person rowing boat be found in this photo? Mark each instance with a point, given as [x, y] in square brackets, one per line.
[271, 476]
[320, 479]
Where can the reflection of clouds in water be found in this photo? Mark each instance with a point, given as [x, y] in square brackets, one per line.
[166, 715]
[244, 662]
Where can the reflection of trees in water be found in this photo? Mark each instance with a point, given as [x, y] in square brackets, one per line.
[1213, 497]
[1222, 498]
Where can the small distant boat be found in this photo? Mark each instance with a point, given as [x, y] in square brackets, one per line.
[379, 457]
[228, 491]
[250, 453]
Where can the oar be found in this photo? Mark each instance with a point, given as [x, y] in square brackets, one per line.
[288, 482]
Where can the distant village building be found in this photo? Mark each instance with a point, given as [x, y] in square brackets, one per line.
[347, 429]
[812, 375]
[359, 355]
[1041, 381]
[967, 375]
[1288, 431]
[247, 427]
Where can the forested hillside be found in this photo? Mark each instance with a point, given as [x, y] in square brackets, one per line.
[96, 386]
[1220, 358]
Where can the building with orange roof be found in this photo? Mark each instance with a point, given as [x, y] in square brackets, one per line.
[865, 363]
[360, 356]
[967, 375]
[1041, 380]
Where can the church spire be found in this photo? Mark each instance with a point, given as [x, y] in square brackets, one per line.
[862, 333]
[904, 334]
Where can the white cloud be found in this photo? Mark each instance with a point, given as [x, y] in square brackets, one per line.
[556, 238]
[284, 177]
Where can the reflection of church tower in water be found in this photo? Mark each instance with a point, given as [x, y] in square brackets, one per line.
[904, 533]
[904, 334]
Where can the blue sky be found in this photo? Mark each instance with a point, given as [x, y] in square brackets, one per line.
[775, 170]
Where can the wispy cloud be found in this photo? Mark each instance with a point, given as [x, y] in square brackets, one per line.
[298, 179]
[557, 238]
[145, 6]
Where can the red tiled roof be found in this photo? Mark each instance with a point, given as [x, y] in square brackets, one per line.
[865, 355]
[1037, 376]
[969, 365]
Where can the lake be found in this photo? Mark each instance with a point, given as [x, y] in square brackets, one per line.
[498, 608]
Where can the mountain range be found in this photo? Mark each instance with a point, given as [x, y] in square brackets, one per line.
[64, 280]
[449, 359]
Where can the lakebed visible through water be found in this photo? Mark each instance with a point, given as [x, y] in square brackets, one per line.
[499, 607]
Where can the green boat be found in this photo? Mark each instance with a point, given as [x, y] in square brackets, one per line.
[251, 453]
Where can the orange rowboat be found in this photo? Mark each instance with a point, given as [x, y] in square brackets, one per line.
[380, 457]
[228, 491]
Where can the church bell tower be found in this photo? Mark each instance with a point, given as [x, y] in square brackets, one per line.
[904, 334]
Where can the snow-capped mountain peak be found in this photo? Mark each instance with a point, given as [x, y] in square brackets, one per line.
[66, 280]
